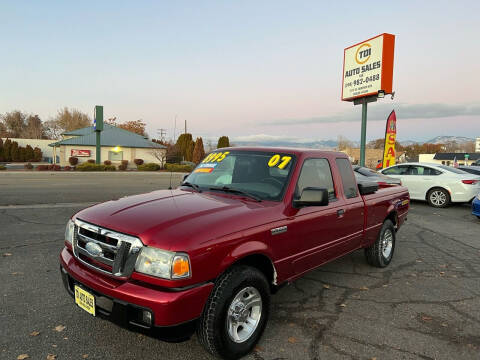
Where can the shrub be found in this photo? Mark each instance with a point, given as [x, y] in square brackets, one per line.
[73, 160]
[91, 161]
[107, 162]
[178, 167]
[125, 162]
[148, 167]
[56, 167]
[138, 161]
[28, 166]
[67, 168]
[2, 167]
[110, 167]
[122, 167]
[42, 167]
[88, 166]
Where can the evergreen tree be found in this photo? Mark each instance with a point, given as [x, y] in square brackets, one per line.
[14, 152]
[29, 155]
[185, 145]
[37, 154]
[7, 145]
[198, 151]
[223, 142]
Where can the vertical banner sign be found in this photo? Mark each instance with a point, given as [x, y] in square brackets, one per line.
[368, 67]
[389, 155]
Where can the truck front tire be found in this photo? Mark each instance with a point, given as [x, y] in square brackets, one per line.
[236, 313]
[381, 252]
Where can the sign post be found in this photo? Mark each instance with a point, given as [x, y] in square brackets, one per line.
[368, 75]
[98, 126]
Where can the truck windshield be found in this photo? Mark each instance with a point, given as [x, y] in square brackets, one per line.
[261, 175]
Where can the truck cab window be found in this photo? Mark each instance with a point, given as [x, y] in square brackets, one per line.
[316, 173]
[348, 179]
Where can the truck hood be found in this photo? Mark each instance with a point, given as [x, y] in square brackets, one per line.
[173, 219]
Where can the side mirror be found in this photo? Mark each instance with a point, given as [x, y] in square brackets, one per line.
[185, 177]
[367, 187]
[312, 196]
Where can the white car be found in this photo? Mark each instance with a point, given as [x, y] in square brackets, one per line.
[437, 184]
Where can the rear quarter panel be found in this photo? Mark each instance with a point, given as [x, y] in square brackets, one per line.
[392, 201]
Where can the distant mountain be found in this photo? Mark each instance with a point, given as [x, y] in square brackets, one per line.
[446, 139]
[318, 144]
[332, 144]
[408, 142]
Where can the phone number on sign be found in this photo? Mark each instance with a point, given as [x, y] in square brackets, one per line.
[365, 80]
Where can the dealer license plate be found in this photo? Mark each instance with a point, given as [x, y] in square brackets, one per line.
[85, 300]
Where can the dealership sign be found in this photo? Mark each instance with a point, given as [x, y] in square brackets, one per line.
[368, 67]
[80, 153]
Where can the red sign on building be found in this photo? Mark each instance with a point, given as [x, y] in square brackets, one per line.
[80, 153]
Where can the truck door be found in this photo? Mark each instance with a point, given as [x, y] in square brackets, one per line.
[314, 229]
[352, 218]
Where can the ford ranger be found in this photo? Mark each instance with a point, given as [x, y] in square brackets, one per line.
[209, 254]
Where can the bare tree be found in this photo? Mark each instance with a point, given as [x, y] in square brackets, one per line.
[343, 143]
[160, 153]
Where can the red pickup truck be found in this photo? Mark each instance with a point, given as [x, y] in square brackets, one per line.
[209, 254]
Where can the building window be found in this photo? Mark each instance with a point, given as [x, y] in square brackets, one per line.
[115, 156]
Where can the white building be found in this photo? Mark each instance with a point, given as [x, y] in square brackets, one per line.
[477, 145]
[116, 145]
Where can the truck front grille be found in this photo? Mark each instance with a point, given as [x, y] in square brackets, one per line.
[105, 250]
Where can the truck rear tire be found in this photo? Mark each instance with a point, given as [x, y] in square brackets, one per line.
[236, 313]
[380, 254]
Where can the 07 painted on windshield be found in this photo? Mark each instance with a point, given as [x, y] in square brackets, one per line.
[260, 175]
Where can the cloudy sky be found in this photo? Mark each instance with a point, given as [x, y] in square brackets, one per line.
[246, 69]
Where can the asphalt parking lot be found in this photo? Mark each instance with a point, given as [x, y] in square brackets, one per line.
[425, 305]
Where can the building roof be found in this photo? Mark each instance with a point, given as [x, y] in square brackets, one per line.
[110, 136]
[459, 156]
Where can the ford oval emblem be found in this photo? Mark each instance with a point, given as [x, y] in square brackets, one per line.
[93, 249]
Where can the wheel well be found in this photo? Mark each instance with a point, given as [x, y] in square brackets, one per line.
[262, 263]
[435, 187]
[393, 217]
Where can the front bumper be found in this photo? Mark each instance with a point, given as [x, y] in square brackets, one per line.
[476, 207]
[126, 300]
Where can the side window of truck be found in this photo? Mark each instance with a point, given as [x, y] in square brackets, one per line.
[316, 173]
[348, 179]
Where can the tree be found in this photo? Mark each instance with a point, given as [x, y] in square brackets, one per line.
[185, 146]
[34, 128]
[198, 151]
[14, 152]
[69, 120]
[1, 150]
[343, 143]
[53, 130]
[3, 129]
[29, 154]
[223, 141]
[135, 126]
[37, 154]
[15, 123]
[7, 145]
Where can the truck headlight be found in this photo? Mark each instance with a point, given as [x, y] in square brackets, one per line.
[162, 263]
[69, 231]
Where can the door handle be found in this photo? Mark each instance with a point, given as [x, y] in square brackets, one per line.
[340, 212]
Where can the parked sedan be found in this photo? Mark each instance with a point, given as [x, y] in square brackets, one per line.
[380, 179]
[438, 184]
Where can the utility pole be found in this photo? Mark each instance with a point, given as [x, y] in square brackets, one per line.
[98, 127]
[162, 133]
